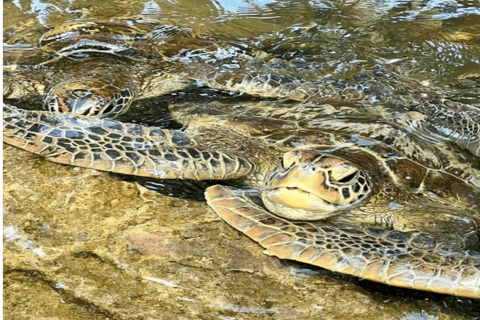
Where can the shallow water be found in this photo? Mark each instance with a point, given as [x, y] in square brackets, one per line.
[87, 245]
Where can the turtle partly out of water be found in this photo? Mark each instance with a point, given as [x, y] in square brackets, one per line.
[322, 183]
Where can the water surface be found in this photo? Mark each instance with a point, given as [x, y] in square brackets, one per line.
[121, 252]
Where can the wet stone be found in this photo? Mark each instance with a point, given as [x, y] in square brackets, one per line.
[9, 127]
[399, 236]
[89, 245]
[128, 147]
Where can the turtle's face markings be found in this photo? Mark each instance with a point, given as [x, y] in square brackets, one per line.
[92, 97]
[312, 186]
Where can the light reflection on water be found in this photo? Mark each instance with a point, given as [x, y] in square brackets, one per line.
[243, 7]
[437, 42]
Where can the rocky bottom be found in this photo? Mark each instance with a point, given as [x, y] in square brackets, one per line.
[81, 244]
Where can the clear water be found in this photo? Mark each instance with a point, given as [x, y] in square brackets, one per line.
[436, 43]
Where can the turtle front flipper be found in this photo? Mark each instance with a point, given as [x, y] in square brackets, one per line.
[404, 259]
[114, 146]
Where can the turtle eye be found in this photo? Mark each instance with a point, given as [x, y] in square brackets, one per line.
[348, 178]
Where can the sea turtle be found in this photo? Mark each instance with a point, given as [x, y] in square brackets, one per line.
[320, 181]
[125, 63]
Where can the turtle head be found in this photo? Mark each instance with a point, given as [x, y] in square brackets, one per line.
[92, 97]
[312, 186]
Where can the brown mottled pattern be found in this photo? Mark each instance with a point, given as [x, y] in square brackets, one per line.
[459, 123]
[26, 82]
[118, 147]
[295, 80]
[403, 259]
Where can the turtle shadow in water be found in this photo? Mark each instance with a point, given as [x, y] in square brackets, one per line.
[455, 306]
[155, 111]
[180, 189]
[176, 188]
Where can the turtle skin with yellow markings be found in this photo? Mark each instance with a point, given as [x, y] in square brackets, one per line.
[366, 198]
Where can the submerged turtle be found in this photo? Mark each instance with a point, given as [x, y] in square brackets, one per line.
[99, 68]
[322, 183]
